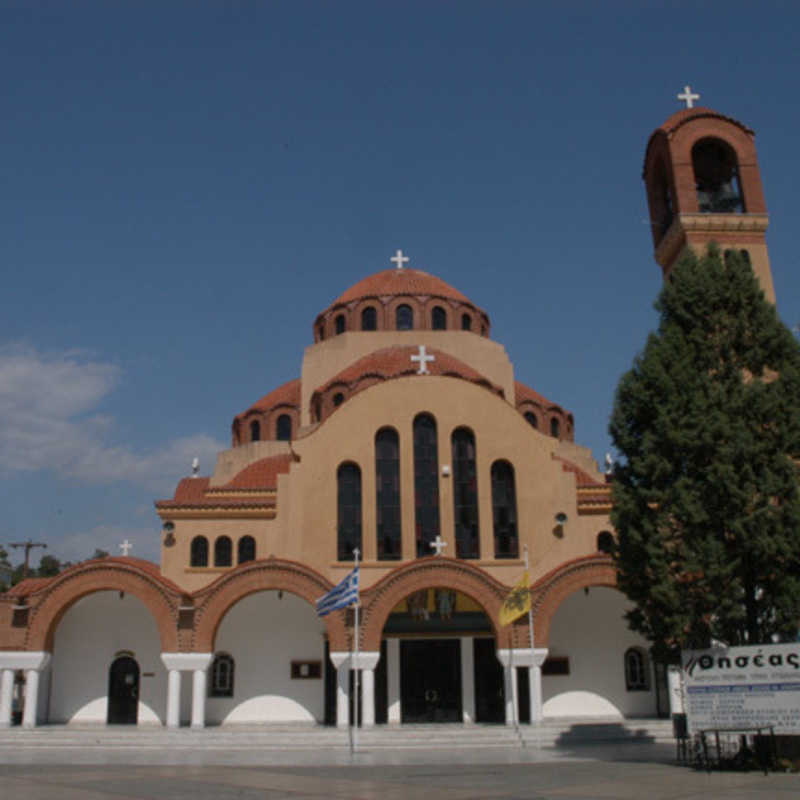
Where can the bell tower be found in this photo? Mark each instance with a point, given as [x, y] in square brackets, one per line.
[703, 185]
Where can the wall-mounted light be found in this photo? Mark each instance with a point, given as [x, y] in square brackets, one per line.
[446, 470]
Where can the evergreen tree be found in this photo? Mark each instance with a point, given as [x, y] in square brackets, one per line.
[706, 501]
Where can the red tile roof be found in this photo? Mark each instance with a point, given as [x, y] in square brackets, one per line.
[582, 478]
[28, 586]
[523, 392]
[395, 362]
[261, 474]
[674, 121]
[400, 281]
[286, 395]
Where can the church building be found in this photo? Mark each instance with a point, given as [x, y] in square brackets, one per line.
[408, 438]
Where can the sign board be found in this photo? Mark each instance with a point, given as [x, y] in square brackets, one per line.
[736, 687]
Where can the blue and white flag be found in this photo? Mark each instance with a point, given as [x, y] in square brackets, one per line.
[342, 595]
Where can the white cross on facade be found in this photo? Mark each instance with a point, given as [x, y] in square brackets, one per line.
[438, 544]
[399, 258]
[423, 358]
[125, 547]
[688, 96]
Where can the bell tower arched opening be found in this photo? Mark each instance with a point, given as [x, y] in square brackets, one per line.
[716, 176]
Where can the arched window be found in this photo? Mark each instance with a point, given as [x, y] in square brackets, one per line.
[426, 483]
[637, 677]
[404, 318]
[504, 511]
[223, 552]
[199, 552]
[663, 210]
[438, 319]
[465, 494]
[716, 177]
[321, 332]
[743, 254]
[283, 428]
[338, 399]
[221, 683]
[605, 542]
[247, 549]
[340, 323]
[369, 319]
[531, 417]
[555, 427]
[348, 479]
[317, 409]
[387, 491]
[466, 322]
[255, 430]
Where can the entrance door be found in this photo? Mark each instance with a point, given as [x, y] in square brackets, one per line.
[123, 691]
[430, 680]
[489, 695]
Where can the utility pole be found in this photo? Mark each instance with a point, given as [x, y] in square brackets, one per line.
[29, 545]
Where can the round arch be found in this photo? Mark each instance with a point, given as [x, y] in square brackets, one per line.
[427, 573]
[214, 602]
[160, 599]
[553, 589]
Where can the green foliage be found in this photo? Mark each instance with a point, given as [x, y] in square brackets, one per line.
[706, 501]
[48, 567]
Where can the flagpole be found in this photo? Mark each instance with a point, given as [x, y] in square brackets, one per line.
[356, 553]
[530, 634]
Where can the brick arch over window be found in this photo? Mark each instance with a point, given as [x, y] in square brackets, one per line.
[159, 597]
[214, 602]
[438, 572]
[550, 591]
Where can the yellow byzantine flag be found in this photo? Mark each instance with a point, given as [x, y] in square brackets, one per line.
[518, 601]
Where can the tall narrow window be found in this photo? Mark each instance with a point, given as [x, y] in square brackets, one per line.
[504, 511]
[387, 489]
[255, 430]
[636, 672]
[247, 549]
[465, 494]
[348, 478]
[555, 427]
[369, 319]
[404, 318]
[283, 428]
[426, 483]
[199, 552]
[438, 319]
[340, 324]
[466, 322]
[221, 683]
[223, 552]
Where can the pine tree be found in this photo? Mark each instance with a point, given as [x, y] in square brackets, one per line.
[706, 501]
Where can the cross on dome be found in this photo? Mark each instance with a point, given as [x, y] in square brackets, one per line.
[399, 259]
[126, 547]
[438, 544]
[688, 96]
[423, 358]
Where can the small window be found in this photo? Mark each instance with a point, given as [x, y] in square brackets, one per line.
[338, 399]
[743, 254]
[605, 542]
[466, 322]
[636, 670]
[223, 552]
[340, 324]
[555, 427]
[531, 417]
[321, 332]
[369, 319]
[199, 552]
[221, 683]
[438, 319]
[404, 317]
[283, 428]
[317, 410]
[255, 430]
[247, 549]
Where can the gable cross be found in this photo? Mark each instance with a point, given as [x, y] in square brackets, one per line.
[688, 96]
[423, 358]
[125, 547]
[438, 544]
[399, 259]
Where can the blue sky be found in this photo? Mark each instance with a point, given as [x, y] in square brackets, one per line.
[187, 184]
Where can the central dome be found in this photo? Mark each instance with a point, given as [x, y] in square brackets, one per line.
[423, 301]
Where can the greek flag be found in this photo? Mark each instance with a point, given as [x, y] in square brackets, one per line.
[342, 595]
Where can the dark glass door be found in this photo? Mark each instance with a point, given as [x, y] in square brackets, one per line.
[123, 691]
[430, 680]
[489, 695]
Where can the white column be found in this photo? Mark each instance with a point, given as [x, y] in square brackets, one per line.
[523, 657]
[31, 698]
[368, 695]
[6, 695]
[467, 679]
[199, 698]
[510, 691]
[343, 696]
[393, 680]
[174, 698]
[535, 692]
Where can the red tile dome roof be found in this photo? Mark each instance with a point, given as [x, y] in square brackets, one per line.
[399, 282]
[286, 395]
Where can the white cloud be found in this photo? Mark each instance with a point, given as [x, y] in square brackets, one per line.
[49, 421]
